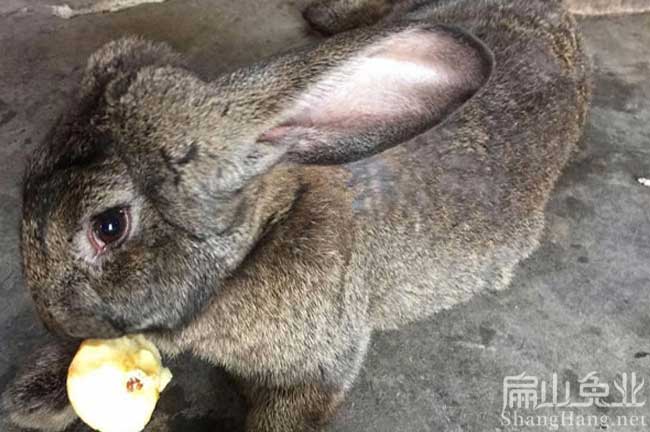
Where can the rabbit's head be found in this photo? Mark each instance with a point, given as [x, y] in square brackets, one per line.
[156, 185]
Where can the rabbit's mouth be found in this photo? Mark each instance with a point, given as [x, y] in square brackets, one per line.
[68, 319]
[83, 328]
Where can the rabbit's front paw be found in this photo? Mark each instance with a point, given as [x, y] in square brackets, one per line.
[322, 17]
[37, 397]
[335, 16]
[304, 408]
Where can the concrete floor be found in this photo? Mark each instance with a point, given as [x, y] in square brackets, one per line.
[580, 304]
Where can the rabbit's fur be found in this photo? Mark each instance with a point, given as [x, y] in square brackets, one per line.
[285, 211]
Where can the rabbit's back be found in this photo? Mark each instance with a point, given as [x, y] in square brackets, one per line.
[451, 212]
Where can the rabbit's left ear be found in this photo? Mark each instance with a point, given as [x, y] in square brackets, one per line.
[388, 92]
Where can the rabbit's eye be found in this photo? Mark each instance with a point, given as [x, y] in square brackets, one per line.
[110, 228]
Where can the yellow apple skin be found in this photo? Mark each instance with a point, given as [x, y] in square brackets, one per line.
[114, 384]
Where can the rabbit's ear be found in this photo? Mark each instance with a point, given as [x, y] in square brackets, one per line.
[390, 91]
[111, 68]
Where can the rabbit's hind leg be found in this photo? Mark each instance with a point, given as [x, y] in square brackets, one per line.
[335, 16]
[37, 398]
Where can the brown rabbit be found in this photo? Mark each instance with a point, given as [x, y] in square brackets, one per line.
[270, 220]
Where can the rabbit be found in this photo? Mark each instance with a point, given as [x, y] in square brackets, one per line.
[271, 220]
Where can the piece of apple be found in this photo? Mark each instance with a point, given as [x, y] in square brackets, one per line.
[114, 384]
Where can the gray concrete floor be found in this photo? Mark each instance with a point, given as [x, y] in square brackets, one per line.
[580, 304]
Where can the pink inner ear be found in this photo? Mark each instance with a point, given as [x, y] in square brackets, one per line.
[410, 74]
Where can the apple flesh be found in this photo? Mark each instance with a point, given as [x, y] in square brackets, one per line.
[114, 384]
